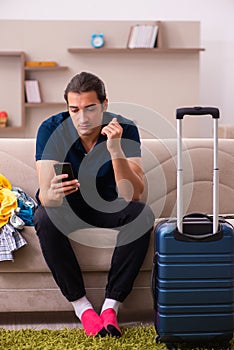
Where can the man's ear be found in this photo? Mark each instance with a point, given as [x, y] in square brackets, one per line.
[105, 105]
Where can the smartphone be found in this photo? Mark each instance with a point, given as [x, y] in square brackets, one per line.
[64, 168]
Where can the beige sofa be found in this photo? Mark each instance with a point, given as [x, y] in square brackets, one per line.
[26, 284]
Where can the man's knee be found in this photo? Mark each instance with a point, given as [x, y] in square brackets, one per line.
[145, 212]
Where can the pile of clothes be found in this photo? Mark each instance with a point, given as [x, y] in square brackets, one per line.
[16, 210]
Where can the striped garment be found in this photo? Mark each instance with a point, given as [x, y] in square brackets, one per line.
[10, 241]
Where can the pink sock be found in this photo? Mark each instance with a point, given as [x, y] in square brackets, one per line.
[92, 323]
[110, 322]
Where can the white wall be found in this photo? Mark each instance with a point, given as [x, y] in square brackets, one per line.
[217, 32]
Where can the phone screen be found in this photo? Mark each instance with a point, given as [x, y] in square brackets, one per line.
[64, 168]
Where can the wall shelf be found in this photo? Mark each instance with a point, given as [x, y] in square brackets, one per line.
[13, 53]
[24, 73]
[44, 104]
[12, 70]
[44, 68]
[136, 50]
[31, 72]
[11, 128]
[157, 79]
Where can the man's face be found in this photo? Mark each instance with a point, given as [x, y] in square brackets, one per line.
[86, 112]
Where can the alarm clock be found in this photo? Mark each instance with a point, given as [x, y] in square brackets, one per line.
[97, 40]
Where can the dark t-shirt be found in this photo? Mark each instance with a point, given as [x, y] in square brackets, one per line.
[58, 140]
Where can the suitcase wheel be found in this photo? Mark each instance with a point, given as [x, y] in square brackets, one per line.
[171, 347]
[157, 339]
[225, 346]
[222, 346]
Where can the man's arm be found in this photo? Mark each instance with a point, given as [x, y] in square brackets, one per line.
[128, 171]
[129, 177]
[52, 189]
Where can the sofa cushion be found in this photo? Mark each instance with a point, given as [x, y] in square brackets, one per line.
[18, 163]
[91, 256]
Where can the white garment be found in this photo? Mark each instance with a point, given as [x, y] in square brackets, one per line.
[110, 304]
[81, 305]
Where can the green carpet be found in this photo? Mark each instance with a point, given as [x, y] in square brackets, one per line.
[133, 338]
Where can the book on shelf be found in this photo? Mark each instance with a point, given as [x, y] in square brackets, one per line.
[142, 36]
[32, 91]
[153, 37]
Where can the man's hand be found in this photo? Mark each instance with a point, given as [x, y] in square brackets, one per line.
[52, 188]
[114, 132]
[63, 188]
[128, 171]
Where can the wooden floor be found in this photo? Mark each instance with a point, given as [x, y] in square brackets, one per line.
[39, 320]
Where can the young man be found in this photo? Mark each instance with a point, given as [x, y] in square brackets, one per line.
[104, 151]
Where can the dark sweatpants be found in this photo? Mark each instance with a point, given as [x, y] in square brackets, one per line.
[134, 221]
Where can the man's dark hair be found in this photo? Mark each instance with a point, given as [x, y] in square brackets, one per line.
[85, 82]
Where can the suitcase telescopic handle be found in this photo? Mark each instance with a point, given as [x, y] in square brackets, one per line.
[181, 112]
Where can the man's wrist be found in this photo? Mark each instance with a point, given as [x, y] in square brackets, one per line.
[116, 154]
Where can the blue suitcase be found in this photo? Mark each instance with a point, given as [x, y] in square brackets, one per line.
[193, 273]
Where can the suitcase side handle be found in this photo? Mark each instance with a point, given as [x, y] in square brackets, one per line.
[198, 110]
[154, 277]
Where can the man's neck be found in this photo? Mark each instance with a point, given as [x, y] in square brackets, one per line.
[90, 141]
